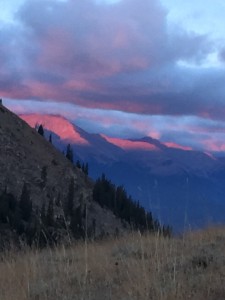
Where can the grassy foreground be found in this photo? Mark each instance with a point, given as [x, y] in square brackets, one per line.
[131, 267]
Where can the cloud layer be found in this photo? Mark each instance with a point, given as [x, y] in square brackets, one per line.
[122, 56]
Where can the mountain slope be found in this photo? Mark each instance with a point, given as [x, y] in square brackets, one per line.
[91, 146]
[26, 157]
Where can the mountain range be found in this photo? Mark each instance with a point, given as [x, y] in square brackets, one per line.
[182, 187]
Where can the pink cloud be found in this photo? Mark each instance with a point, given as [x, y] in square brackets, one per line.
[42, 90]
[54, 48]
[213, 145]
[119, 56]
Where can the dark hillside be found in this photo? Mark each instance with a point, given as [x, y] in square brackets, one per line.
[44, 196]
[27, 159]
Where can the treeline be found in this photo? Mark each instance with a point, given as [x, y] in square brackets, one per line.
[124, 207]
[62, 218]
[16, 214]
[45, 225]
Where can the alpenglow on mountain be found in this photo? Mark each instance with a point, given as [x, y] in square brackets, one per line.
[182, 187]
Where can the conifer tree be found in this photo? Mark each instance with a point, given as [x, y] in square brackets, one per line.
[69, 153]
[78, 165]
[76, 224]
[41, 130]
[43, 214]
[43, 176]
[50, 218]
[69, 204]
[86, 169]
[82, 168]
[25, 204]
[8, 206]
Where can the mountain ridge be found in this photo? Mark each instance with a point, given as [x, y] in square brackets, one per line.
[34, 119]
[164, 179]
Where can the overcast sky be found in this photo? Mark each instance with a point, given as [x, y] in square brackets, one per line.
[125, 68]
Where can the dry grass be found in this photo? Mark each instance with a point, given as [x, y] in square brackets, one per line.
[132, 267]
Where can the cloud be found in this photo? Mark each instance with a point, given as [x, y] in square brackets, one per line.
[114, 67]
[93, 54]
[83, 37]
[187, 132]
[222, 55]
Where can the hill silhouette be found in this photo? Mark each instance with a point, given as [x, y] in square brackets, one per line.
[43, 196]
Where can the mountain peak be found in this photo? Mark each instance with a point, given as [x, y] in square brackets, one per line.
[57, 124]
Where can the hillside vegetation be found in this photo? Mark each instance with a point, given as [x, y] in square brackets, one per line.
[131, 267]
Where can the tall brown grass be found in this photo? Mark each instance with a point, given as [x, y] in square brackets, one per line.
[131, 267]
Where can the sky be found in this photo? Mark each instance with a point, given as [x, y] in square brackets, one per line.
[124, 68]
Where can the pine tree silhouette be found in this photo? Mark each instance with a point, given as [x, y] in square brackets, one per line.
[25, 204]
[50, 138]
[69, 203]
[69, 153]
[41, 130]
[50, 218]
